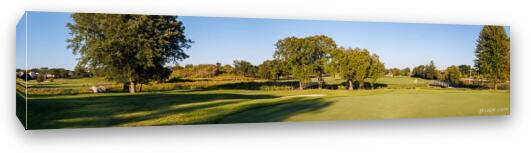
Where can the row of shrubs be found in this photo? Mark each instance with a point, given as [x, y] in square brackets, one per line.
[191, 84]
[181, 85]
[57, 91]
[501, 86]
[38, 91]
[250, 85]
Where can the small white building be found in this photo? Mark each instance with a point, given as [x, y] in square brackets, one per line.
[20, 74]
[49, 76]
[33, 74]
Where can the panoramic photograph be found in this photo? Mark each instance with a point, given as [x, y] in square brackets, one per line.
[91, 70]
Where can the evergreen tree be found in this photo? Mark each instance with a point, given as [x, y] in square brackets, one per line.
[493, 54]
[431, 71]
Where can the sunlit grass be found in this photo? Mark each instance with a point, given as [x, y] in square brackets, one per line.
[237, 106]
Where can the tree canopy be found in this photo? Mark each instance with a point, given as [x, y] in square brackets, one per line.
[466, 70]
[428, 71]
[355, 65]
[245, 68]
[452, 75]
[376, 69]
[493, 54]
[271, 69]
[127, 48]
[431, 72]
[405, 72]
[306, 56]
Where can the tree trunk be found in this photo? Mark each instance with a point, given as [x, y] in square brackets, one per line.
[495, 85]
[140, 90]
[132, 87]
[301, 87]
[320, 81]
[350, 86]
[126, 87]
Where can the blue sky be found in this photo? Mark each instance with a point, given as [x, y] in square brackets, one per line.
[226, 39]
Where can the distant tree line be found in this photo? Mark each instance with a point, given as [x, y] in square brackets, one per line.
[428, 71]
[398, 72]
[241, 67]
[197, 71]
[53, 73]
[451, 74]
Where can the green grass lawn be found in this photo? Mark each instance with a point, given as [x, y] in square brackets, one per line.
[402, 80]
[397, 82]
[244, 106]
[69, 83]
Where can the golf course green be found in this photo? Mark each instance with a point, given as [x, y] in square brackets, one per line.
[211, 106]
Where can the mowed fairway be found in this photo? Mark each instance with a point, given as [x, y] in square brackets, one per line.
[243, 106]
[393, 104]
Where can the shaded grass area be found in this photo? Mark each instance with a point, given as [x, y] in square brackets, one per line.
[278, 112]
[21, 107]
[249, 106]
[175, 107]
[20, 100]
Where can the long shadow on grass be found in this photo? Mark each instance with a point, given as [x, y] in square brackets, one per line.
[21, 107]
[103, 110]
[277, 112]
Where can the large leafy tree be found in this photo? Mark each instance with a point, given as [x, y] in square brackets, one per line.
[265, 70]
[493, 54]
[452, 75]
[271, 69]
[319, 49]
[227, 69]
[395, 71]
[405, 72]
[352, 65]
[306, 56]
[376, 69]
[127, 48]
[465, 70]
[419, 71]
[245, 68]
[290, 51]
